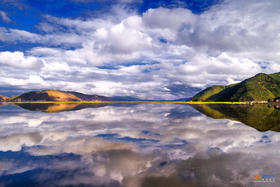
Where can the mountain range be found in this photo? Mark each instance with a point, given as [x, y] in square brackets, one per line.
[260, 87]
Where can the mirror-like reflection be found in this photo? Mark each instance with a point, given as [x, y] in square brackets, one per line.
[133, 146]
[58, 107]
[259, 116]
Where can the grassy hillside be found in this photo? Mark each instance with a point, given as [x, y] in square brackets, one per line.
[208, 92]
[56, 95]
[275, 76]
[261, 87]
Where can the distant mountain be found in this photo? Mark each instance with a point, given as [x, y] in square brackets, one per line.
[3, 98]
[260, 117]
[124, 98]
[56, 95]
[261, 87]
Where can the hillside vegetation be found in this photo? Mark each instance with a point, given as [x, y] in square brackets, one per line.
[261, 87]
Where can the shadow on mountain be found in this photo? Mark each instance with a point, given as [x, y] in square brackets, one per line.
[259, 116]
[58, 107]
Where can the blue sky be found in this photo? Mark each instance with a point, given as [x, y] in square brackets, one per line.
[150, 49]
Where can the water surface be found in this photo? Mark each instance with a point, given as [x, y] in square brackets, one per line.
[137, 145]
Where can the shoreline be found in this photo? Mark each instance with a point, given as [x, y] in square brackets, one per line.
[112, 102]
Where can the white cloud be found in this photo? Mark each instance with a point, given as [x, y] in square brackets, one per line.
[19, 60]
[168, 18]
[5, 17]
[17, 36]
[14, 35]
[242, 28]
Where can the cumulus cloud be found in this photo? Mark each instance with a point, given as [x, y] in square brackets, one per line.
[166, 22]
[19, 60]
[124, 53]
[237, 27]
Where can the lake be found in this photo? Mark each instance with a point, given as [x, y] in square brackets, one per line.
[137, 145]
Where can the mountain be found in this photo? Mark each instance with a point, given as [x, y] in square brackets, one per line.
[3, 98]
[260, 87]
[260, 117]
[56, 95]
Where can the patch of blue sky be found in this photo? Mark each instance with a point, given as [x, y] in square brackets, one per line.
[109, 135]
[22, 19]
[196, 6]
[108, 67]
[139, 63]
[15, 46]
[128, 64]
[66, 8]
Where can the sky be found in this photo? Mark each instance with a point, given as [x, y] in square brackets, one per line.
[150, 49]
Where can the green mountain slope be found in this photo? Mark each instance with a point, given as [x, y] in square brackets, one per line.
[208, 92]
[261, 87]
[275, 76]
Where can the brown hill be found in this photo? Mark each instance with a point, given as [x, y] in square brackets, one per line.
[3, 98]
[57, 95]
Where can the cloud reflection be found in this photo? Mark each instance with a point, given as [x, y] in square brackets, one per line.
[137, 145]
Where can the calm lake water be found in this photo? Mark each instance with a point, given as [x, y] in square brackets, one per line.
[136, 145]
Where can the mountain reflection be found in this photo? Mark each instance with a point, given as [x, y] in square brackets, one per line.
[58, 107]
[132, 146]
[259, 116]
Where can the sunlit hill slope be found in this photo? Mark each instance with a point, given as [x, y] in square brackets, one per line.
[3, 98]
[56, 95]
